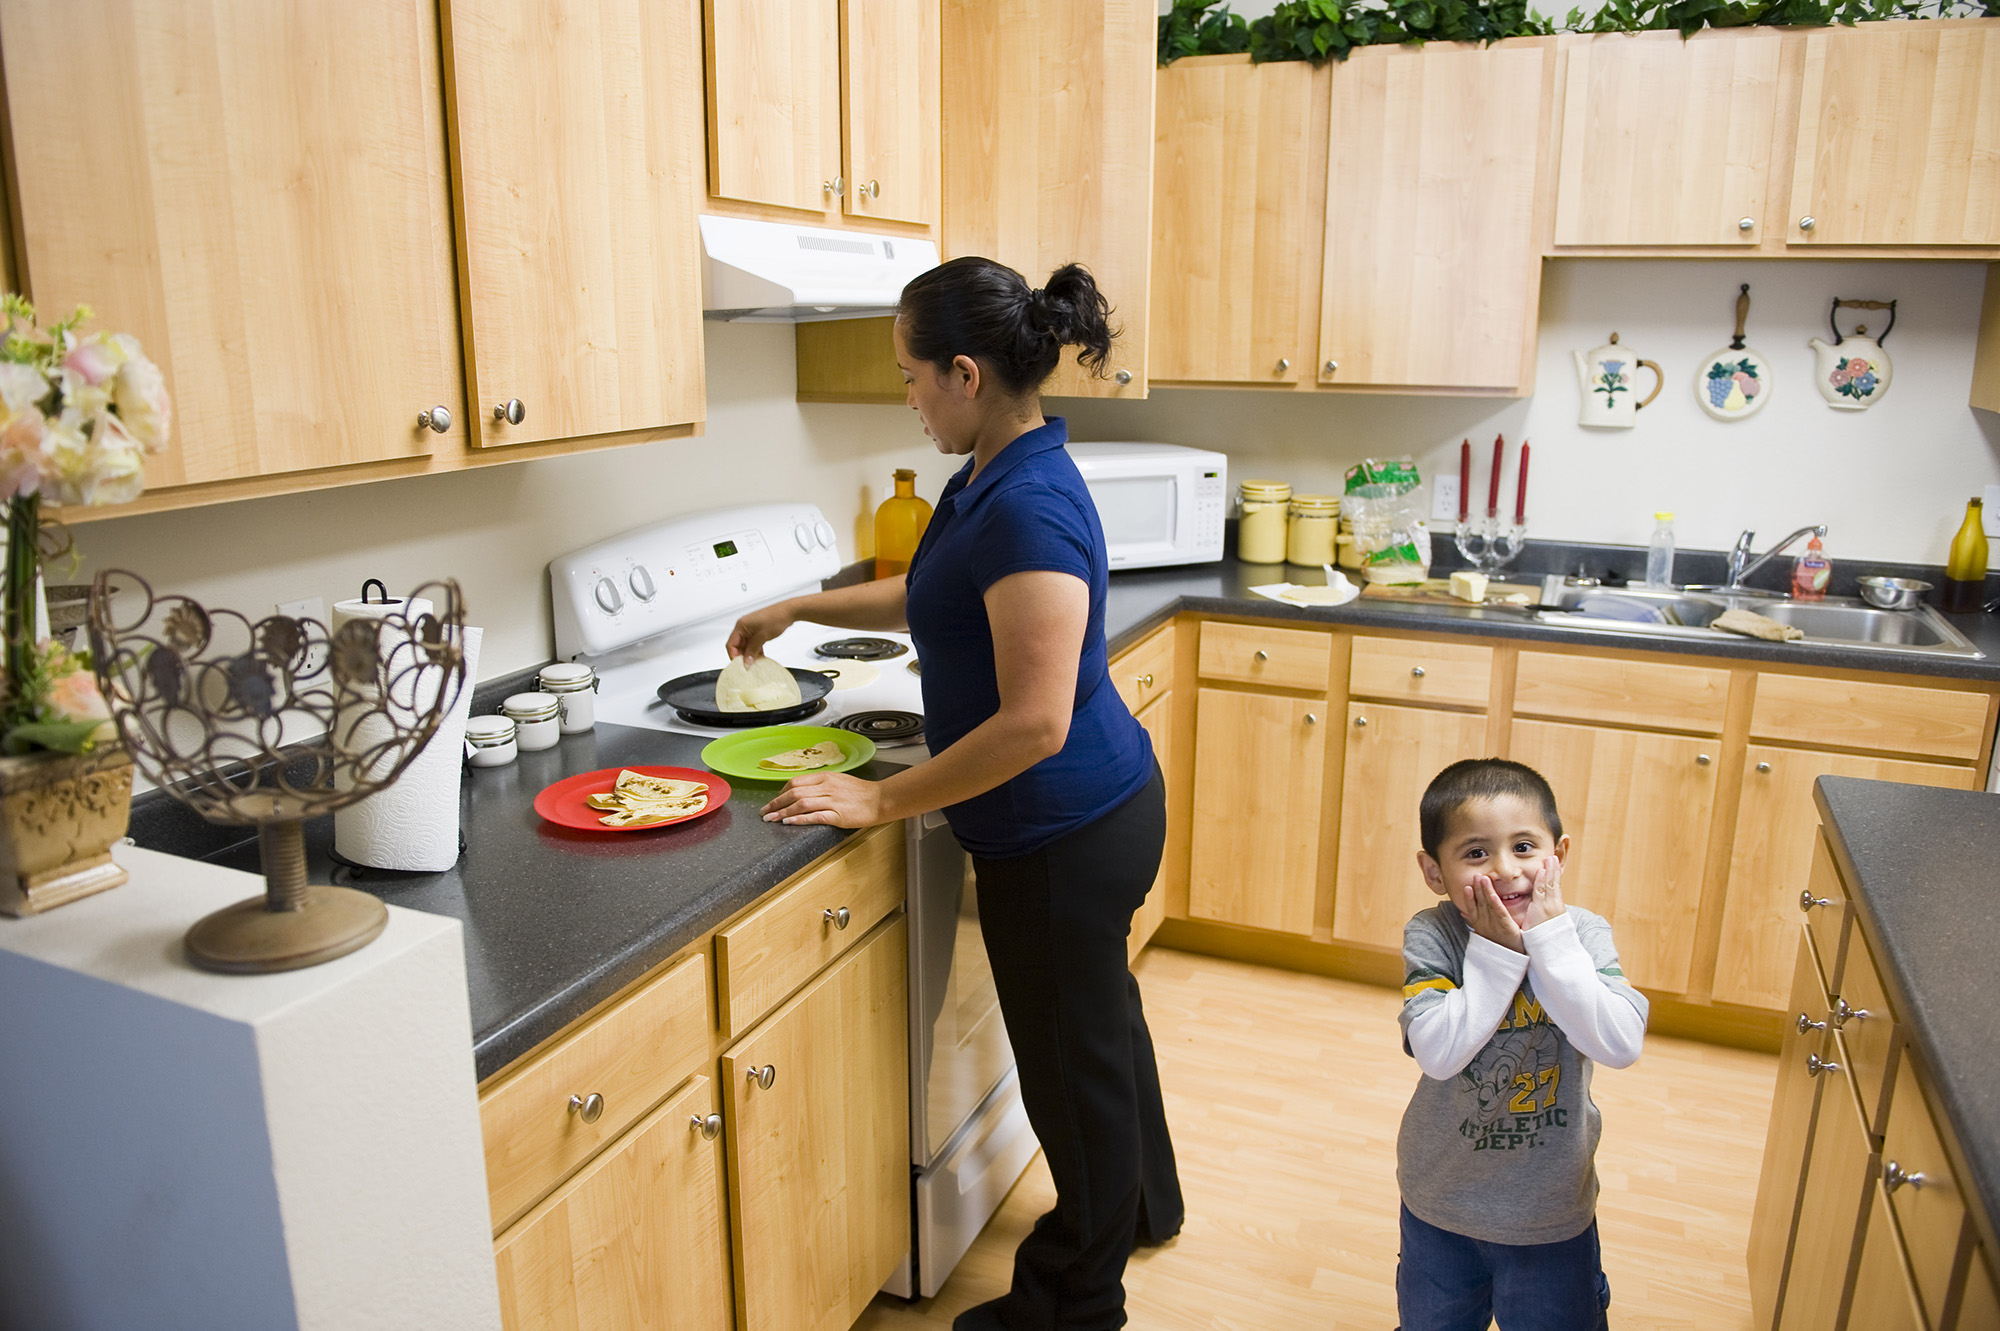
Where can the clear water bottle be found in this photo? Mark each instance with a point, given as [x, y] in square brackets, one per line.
[1660, 554]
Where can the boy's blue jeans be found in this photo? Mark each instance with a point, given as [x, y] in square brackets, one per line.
[1448, 1282]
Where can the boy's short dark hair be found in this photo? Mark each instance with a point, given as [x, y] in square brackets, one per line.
[1472, 779]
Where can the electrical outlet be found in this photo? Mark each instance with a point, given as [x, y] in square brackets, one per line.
[1444, 499]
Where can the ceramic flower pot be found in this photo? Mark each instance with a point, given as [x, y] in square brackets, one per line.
[60, 814]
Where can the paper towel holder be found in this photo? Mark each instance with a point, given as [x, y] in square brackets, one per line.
[203, 699]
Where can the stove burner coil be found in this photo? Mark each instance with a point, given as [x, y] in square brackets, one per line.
[884, 727]
[861, 649]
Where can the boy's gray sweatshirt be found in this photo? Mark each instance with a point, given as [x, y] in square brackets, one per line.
[1503, 1151]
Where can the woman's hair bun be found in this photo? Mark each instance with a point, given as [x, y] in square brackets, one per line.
[979, 308]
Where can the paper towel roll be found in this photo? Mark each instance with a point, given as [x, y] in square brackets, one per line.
[413, 825]
[411, 608]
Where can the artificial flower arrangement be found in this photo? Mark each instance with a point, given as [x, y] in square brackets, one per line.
[79, 412]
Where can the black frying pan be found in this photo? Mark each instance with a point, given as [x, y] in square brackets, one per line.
[693, 696]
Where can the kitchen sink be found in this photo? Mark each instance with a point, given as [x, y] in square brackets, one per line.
[1677, 612]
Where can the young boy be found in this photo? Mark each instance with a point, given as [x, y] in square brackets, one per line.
[1508, 998]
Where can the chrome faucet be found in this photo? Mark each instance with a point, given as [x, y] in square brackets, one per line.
[1741, 565]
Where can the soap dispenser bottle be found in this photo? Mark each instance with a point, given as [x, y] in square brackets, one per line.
[899, 525]
[1811, 572]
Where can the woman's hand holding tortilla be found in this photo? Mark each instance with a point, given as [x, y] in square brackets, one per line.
[757, 628]
[829, 798]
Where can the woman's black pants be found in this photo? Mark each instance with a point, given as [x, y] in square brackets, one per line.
[1056, 923]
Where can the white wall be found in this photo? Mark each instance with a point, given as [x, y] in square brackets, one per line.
[1890, 482]
[496, 528]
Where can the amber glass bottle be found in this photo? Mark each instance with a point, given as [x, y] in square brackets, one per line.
[1965, 571]
[899, 525]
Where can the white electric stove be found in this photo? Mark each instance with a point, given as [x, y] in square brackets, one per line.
[654, 604]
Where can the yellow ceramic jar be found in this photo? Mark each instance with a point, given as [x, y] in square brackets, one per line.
[1315, 521]
[1260, 534]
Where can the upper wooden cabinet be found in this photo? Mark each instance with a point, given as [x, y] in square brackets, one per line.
[1897, 133]
[825, 106]
[255, 189]
[1432, 273]
[1232, 219]
[1048, 154]
[577, 175]
[1666, 140]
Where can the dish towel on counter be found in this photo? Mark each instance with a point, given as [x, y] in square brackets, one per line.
[413, 825]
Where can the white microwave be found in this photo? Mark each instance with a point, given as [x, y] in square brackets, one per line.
[1158, 503]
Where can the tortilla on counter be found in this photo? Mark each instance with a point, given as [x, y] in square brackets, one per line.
[826, 753]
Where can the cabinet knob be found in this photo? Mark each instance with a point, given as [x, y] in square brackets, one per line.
[437, 418]
[1702, 760]
[1311, 719]
[710, 1128]
[1763, 767]
[1145, 681]
[511, 411]
[1332, 366]
[1361, 722]
[872, 190]
[1284, 363]
[1806, 1023]
[1807, 901]
[837, 187]
[1746, 224]
[1123, 377]
[1842, 1014]
[1895, 1176]
[1260, 655]
[1416, 672]
[837, 917]
[1808, 222]
[589, 1108]
[1816, 1065]
[762, 1077]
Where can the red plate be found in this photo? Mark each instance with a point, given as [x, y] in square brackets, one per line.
[563, 803]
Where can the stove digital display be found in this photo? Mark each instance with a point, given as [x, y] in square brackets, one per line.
[724, 549]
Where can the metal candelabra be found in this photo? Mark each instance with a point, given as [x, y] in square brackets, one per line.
[1488, 546]
[269, 723]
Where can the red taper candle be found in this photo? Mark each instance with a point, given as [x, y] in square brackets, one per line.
[1493, 484]
[1464, 478]
[1521, 490]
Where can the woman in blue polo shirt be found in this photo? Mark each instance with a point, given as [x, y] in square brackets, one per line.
[1047, 780]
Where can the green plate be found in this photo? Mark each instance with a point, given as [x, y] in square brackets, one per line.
[738, 755]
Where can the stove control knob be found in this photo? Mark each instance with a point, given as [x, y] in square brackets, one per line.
[824, 530]
[608, 597]
[642, 584]
[803, 535]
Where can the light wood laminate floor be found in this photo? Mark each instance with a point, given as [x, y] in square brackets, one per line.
[1285, 1092]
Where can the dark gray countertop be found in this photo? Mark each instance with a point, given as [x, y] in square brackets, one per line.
[1143, 598]
[1922, 866]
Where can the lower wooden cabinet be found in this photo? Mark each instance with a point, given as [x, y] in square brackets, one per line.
[816, 1107]
[1253, 856]
[635, 1240]
[1392, 754]
[1840, 1167]
[1884, 1298]
[1157, 717]
[1638, 807]
[1794, 1102]
[1772, 859]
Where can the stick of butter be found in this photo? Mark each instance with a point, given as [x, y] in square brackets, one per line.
[1469, 586]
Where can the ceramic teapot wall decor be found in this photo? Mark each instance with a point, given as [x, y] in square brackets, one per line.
[1605, 376]
[1853, 371]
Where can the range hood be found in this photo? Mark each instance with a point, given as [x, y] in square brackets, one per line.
[769, 272]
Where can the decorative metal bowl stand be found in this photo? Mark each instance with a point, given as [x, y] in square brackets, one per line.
[269, 723]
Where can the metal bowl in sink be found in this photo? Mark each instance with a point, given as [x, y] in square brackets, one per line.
[1894, 593]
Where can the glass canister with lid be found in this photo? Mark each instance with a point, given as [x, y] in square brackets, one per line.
[1260, 531]
[1314, 525]
[536, 720]
[574, 686]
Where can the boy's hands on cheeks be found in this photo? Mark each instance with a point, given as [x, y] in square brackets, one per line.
[1480, 904]
[1545, 892]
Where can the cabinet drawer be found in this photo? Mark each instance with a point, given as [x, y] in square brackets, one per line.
[1251, 654]
[786, 941]
[1145, 672]
[1824, 901]
[1855, 714]
[1623, 692]
[1867, 1029]
[1440, 672]
[1931, 1210]
[630, 1056]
